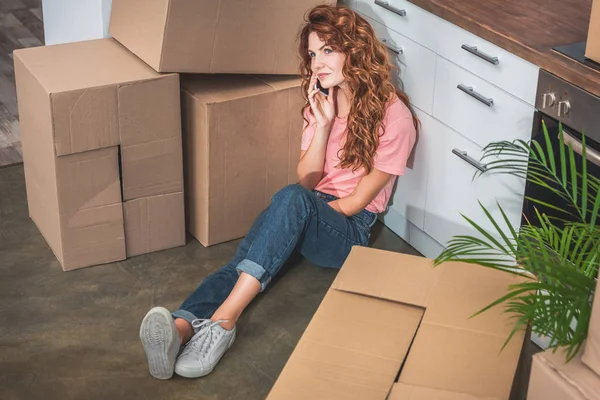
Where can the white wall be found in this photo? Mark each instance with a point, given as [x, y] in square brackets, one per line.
[75, 20]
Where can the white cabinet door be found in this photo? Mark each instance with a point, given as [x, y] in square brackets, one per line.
[411, 189]
[415, 63]
[508, 118]
[405, 18]
[488, 61]
[451, 189]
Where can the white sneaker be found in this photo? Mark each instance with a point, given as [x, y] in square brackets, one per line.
[160, 339]
[205, 348]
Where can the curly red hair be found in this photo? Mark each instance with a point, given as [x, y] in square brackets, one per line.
[367, 72]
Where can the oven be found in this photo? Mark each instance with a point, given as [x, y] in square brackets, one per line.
[579, 111]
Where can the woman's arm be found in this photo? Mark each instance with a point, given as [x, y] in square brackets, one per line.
[366, 190]
[310, 166]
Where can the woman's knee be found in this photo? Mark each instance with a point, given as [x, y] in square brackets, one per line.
[291, 194]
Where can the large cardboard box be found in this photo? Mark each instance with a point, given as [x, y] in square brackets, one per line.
[99, 129]
[213, 36]
[242, 138]
[591, 352]
[592, 49]
[391, 324]
[554, 379]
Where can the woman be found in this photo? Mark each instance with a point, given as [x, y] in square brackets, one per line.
[355, 142]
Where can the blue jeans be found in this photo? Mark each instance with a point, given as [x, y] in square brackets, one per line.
[296, 219]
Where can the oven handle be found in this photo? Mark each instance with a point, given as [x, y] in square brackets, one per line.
[591, 154]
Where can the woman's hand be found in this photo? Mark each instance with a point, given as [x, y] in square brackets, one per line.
[323, 107]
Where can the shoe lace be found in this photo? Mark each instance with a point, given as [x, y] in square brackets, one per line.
[205, 336]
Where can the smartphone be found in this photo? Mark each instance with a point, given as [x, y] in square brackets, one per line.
[324, 92]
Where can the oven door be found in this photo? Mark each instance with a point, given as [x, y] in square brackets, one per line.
[544, 194]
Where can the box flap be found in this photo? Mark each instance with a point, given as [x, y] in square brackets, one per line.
[447, 354]
[154, 223]
[93, 236]
[352, 349]
[150, 130]
[388, 275]
[449, 358]
[483, 285]
[88, 180]
[83, 65]
[85, 120]
[402, 391]
[280, 82]
[220, 88]
[552, 374]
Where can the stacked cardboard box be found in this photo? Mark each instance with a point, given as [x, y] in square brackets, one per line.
[101, 134]
[241, 132]
[241, 141]
[391, 325]
[552, 378]
[101, 126]
[212, 36]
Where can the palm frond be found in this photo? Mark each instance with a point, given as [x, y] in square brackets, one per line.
[558, 257]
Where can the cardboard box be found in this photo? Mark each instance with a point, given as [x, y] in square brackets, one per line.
[591, 352]
[242, 138]
[592, 49]
[98, 127]
[154, 223]
[390, 317]
[554, 379]
[213, 36]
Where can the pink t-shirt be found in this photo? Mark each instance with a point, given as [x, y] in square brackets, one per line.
[395, 146]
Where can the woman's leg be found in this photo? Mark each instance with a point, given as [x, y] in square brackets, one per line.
[293, 214]
[162, 332]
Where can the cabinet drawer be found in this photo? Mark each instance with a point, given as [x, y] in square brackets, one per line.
[415, 63]
[507, 118]
[488, 61]
[451, 189]
[403, 17]
[411, 190]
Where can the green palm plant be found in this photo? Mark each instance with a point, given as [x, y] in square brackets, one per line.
[558, 257]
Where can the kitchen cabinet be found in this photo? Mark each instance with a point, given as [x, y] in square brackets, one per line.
[452, 191]
[467, 93]
[480, 111]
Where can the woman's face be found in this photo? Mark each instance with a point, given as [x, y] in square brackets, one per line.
[325, 63]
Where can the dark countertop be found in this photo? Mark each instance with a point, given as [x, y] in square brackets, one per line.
[527, 28]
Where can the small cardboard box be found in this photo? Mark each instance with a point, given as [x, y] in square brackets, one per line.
[554, 379]
[591, 352]
[212, 36]
[391, 324]
[592, 49]
[242, 138]
[99, 128]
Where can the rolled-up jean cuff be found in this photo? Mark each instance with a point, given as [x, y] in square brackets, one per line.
[255, 270]
[183, 314]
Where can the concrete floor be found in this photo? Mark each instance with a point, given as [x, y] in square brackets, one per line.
[74, 335]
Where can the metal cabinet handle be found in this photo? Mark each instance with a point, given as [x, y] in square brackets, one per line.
[386, 5]
[469, 90]
[463, 154]
[473, 50]
[592, 155]
[397, 50]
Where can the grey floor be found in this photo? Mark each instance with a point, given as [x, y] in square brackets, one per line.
[20, 26]
[74, 335]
